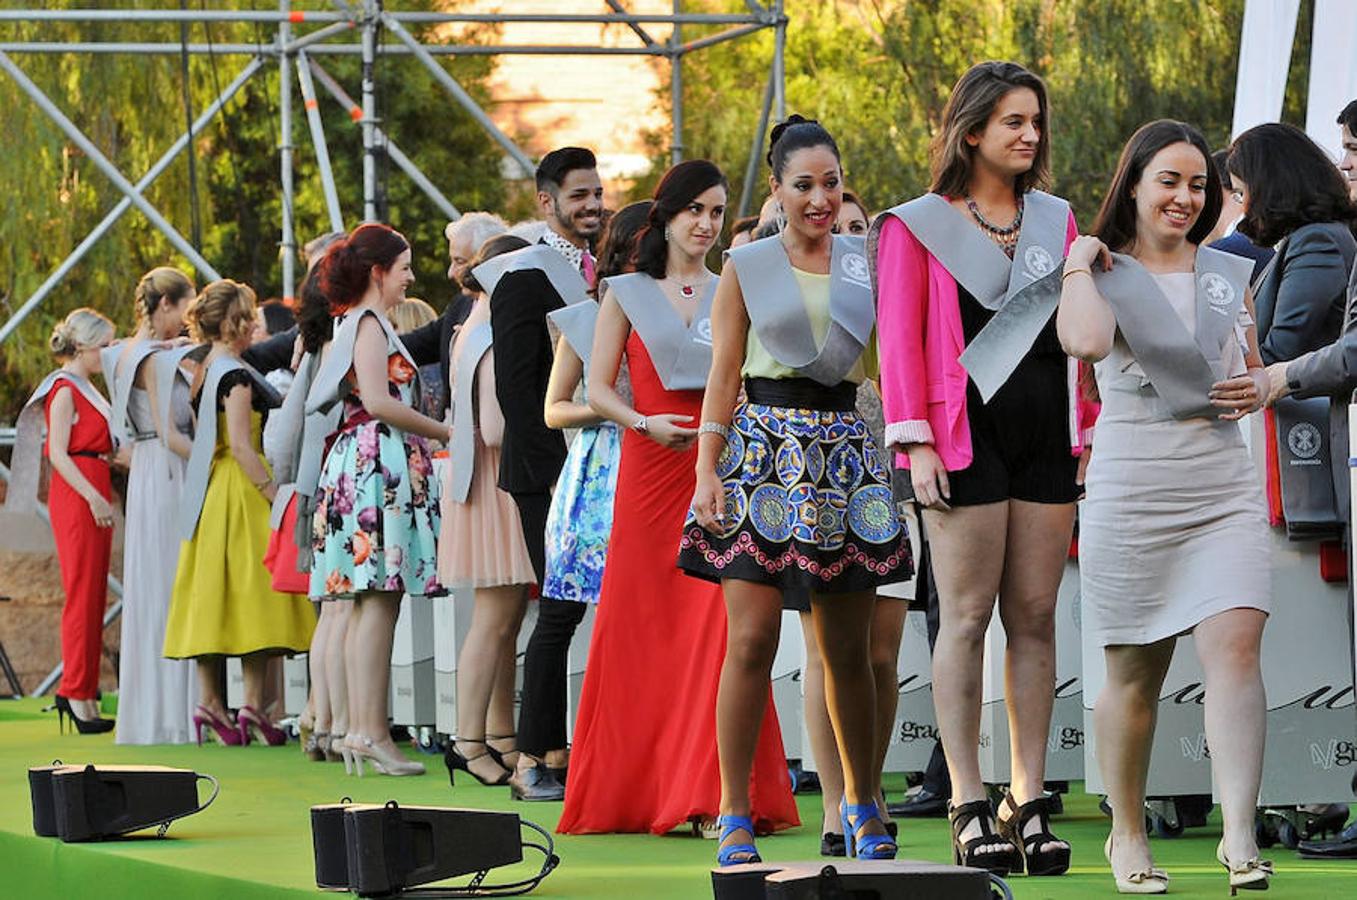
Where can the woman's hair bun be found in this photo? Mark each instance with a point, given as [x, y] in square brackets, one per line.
[781, 128]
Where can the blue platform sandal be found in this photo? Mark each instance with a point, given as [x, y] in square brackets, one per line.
[865, 846]
[736, 854]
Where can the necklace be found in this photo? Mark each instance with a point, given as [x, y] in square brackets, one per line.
[1006, 236]
[689, 291]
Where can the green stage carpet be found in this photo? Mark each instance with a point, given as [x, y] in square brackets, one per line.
[255, 841]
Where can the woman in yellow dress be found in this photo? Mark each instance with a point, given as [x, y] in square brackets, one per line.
[223, 603]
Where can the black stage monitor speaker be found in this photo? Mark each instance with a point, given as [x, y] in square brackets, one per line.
[40, 793]
[391, 847]
[327, 840]
[91, 803]
[851, 880]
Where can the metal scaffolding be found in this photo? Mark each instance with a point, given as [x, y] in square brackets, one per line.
[300, 52]
[292, 50]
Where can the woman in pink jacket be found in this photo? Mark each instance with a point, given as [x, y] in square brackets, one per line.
[982, 407]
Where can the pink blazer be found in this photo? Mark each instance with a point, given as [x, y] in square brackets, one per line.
[923, 384]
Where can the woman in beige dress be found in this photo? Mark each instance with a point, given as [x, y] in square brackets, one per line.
[481, 545]
[1173, 536]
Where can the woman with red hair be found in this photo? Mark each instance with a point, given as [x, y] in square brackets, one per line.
[377, 501]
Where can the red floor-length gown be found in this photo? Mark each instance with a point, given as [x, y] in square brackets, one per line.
[644, 756]
[83, 548]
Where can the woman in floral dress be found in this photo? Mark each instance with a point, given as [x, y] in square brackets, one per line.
[377, 511]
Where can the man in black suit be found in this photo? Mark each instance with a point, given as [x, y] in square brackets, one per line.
[570, 197]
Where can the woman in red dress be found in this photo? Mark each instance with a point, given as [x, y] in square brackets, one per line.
[78, 447]
[645, 739]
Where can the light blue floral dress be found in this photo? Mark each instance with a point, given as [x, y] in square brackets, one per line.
[581, 517]
[377, 511]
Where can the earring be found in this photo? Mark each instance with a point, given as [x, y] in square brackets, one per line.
[667, 233]
[779, 217]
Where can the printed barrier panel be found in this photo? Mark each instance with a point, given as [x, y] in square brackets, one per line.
[788, 698]
[296, 683]
[451, 622]
[413, 689]
[1065, 742]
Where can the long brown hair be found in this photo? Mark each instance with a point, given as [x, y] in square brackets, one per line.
[1115, 225]
[968, 110]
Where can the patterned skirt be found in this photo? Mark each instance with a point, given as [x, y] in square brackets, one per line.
[808, 500]
[377, 515]
[581, 518]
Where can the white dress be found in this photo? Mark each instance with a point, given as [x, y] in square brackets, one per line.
[1173, 529]
[156, 696]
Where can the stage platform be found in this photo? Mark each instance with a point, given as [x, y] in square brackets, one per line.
[255, 841]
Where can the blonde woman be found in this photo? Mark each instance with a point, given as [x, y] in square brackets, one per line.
[156, 696]
[223, 603]
[78, 447]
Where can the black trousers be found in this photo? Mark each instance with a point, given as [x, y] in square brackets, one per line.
[541, 717]
[542, 710]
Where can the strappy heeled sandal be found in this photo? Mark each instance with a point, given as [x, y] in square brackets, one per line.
[971, 853]
[855, 816]
[1250, 875]
[736, 854]
[1033, 855]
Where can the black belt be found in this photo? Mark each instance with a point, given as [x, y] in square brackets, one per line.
[90, 453]
[802, 393]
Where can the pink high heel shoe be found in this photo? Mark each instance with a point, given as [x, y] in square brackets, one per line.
[251, 722]
[223, 732]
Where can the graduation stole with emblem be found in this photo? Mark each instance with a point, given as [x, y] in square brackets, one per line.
[1023, 291]
[1181, 366]
[777, 311]
[681, 353]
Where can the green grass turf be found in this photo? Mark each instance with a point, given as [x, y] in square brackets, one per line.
[255, 841]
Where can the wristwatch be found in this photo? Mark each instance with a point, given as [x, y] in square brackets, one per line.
[641, 425]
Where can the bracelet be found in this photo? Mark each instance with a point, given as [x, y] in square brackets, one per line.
[641, 425]
[714, 428]
[1076, 270]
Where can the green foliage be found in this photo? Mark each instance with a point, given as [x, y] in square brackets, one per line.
[132, 108]
[877, 73]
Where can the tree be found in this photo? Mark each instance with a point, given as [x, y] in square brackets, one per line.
[132, 108]
[877, 73]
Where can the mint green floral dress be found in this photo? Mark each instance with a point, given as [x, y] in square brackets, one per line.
[377, 510]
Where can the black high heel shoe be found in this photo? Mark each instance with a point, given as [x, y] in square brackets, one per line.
[1032, 852]
[96, 725]
[1002, 857]
[454, 760]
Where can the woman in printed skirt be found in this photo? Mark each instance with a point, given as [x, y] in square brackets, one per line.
[791, 491]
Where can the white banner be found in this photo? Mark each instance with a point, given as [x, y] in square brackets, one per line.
[1333, 71]
[1264, 58]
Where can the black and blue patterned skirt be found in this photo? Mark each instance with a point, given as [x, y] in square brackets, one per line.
[808, 499]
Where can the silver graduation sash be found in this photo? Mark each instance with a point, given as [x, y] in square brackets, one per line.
[199, 470]
[298, 472]
[122, 378]
[330, 385]
[1304, 463]
[777, 311]
[31, 434]
[565, 279]
[680, 352]
[1180, 366]
[462, 452]
[167, 372]
[1023, 291]
[576, 324]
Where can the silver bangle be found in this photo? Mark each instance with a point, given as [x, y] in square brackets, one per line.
[714, 428]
